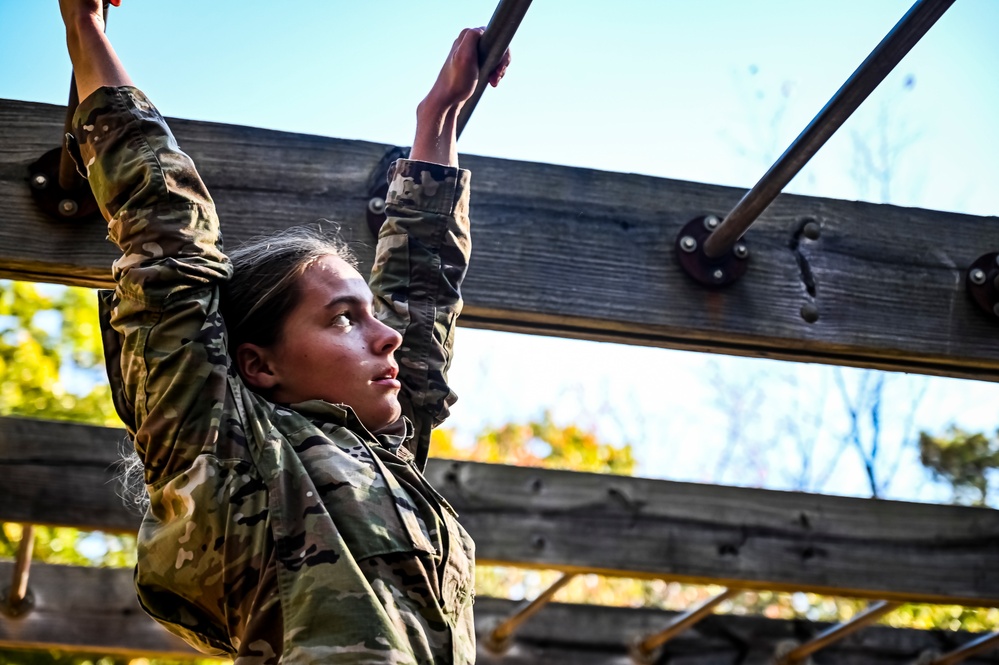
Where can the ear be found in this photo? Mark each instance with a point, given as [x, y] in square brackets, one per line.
[256, 366]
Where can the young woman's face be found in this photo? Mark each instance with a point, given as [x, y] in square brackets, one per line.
[331, 347]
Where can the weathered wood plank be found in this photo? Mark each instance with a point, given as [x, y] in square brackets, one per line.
[86, 609]
[59, 473]
[582, 253]
[95, 610]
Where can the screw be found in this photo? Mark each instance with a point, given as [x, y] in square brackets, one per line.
[741, 251]
[718, 275]
[39, 181]
[812, 230]
[68, 207]
[377, 205]
[977, 276]
[688, 244]
[809, 312]
[711, 222]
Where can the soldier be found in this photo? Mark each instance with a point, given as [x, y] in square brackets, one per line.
[280, 406]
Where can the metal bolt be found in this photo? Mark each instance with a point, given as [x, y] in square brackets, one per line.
[995, 309]
[711, 222]
[39, 181]
[809, 312]
[68, 207]
[377, 205]
[718, 275]
[688, 244]
[977, 276]
[741, 251]
[812, 230]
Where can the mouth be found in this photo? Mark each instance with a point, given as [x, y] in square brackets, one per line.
[388, 378]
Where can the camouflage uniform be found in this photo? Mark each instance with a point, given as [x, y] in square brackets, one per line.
[278, 533]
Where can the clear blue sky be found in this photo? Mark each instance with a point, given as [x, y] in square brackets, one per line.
[708, 91]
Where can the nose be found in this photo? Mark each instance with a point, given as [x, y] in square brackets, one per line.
[385, 340]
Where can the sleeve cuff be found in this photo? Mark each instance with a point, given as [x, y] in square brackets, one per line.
[427, 187]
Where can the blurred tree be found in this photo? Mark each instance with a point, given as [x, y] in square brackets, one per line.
[963, 460]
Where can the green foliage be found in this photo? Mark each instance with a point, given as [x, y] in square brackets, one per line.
[961, 459]
[48, 334]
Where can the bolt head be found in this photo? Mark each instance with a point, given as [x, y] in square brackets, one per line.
[812, 230]
[718, 275]
[740, 251]
[995, 309]
[977, 276]
[688, 244]
[39, 181]
[711, 222]
[68, 207]
[809, 312]
[377, 205]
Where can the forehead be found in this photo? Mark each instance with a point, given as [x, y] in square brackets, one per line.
[331, 277]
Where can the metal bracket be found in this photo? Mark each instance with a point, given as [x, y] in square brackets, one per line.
[710, 272]
[13, 608]
[378, 188]
[983, 282]
[75, 203]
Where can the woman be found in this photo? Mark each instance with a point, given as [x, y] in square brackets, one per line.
[280, 407]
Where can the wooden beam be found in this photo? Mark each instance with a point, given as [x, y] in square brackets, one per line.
[582, 253]
[58, 473]
[95, 610]
[86, 609]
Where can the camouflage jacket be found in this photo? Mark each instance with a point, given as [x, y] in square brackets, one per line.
[278, 533]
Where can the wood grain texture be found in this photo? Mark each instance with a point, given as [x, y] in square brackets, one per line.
[582, 253]
[58, 473]
[95, 610]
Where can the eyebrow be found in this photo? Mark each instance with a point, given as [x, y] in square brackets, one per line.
[346, 300]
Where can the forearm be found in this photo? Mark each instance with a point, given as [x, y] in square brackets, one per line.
[95, 63]
[436, 134]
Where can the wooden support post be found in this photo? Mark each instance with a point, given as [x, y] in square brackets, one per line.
[872, 613]
[647, 647]
[981, 645]
[498, 640]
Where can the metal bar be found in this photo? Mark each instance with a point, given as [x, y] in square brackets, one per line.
[896, 44]
[15, 602]
[872, 613]
[683, 622]
[493, 44]
[498, 639]
[973, 648]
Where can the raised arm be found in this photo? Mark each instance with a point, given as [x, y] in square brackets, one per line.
[164, 337]
[95, 64]
[437, 114]
[424, 246]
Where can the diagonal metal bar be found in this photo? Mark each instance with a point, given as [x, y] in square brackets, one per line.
[975, 647]
[17, 601]
[872, 613]
[498, 640]
[493, 44]
[896, 44]
[646, 646]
